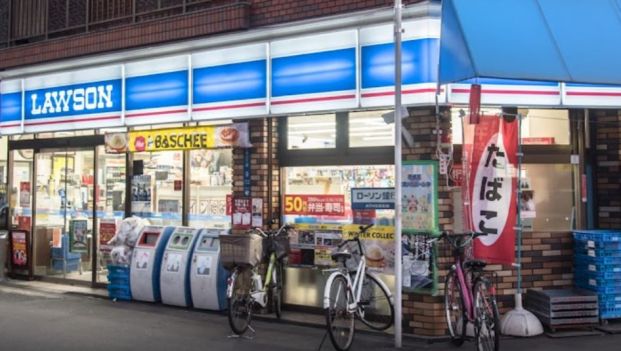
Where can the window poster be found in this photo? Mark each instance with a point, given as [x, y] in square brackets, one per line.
[419, 265]
[419, 203]
[78, 241]
[379, 246]
[141, 195]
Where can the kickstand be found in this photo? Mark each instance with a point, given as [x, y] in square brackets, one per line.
[322, 341]
[244, 336]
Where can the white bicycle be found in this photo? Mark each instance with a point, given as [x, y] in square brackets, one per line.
[365, 297]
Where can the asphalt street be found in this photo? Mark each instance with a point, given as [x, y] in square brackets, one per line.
[39, 320]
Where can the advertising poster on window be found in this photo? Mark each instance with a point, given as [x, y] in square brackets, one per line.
[107, 230]
[78, 241]
[24, 194]
[420, 270]
[491, 158]
[379, 246]
[19, 249]
[314, 205]
[420, 197]
[242, 213]
[141, 195]
[312, 244]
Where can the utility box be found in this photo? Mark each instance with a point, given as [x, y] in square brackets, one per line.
[174, 276]
[208, 278]
[147, 261]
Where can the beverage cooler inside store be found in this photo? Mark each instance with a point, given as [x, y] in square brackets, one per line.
[319, 234]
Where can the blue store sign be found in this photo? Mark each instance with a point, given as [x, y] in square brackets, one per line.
[373, 198]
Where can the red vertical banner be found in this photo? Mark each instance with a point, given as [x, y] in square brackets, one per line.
[475, 104]
[492, 182]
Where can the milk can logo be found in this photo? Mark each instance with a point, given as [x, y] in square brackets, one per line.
[73, 100]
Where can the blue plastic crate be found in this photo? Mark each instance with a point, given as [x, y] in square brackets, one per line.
[597, 235]
[597, 281]
[116, 269]
[608, 275]
[593, 286]
[593, 244]
[118, 280]
[119, 292]
[606, 260]
[597, 252]
[609, 313]
[596, 268]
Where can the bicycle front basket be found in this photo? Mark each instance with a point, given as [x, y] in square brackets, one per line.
[241, 250]
[281, 247]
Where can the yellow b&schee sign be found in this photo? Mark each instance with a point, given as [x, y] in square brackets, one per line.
[172, 139]
[200, 137]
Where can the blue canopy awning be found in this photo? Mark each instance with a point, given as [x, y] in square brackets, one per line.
[551, 40]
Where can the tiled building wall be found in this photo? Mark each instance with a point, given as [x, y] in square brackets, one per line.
[607, 135]
[547, 257]
[263, 152]
[117, 27]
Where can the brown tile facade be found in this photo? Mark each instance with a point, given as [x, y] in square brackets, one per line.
[607, 140]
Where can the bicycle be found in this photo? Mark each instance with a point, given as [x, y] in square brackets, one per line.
[470, 297]
[366, 297]
[245, 287]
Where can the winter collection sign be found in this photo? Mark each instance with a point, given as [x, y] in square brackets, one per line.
[490, 158]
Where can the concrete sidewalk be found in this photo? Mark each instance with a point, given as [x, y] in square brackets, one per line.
[37, 317]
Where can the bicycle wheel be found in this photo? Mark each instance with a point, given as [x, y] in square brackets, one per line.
[455, 309]
[487, 321]
[240, 302]
[339, 320]
[375, 308]
[277, 288]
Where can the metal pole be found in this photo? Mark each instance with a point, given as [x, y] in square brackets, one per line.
[398, 257]
[519, 210]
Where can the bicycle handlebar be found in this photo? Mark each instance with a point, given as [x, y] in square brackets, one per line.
[283, 228]
[362, 229]
[454, 242]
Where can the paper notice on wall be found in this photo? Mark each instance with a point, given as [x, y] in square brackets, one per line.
[257, 212]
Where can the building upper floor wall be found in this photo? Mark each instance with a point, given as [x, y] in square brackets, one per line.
[37, 31]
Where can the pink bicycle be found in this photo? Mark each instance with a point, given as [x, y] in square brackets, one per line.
[470, 297]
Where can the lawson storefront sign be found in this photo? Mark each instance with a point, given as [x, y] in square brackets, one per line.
[339, 70]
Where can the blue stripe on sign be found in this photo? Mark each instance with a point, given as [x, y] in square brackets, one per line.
[157, 90]
[11, 107]
[419, 57]
[314, 73]
[236, 81]
[496, 81]
[74, 100]
[584, 85]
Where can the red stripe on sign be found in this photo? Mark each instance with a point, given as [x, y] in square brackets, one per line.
[508, 92]
[323, 98]
[10, 125]
[593, 93]
[404, 92]
[102, 118]
[224, 107]
[156, 113]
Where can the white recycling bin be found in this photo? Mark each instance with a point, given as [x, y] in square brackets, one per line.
[147, 261]
[174, 278]
[207, 276]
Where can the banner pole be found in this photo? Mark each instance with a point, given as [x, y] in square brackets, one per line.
[519, 210]
[398, 256]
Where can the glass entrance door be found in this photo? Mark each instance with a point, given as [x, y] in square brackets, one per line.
[64, 213]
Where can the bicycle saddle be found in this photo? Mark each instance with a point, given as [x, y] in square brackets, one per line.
[475, 264]
[341, 256]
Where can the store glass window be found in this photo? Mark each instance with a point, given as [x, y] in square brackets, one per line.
[539, 126]
[338, 180]
[311, 132]
[367, 129]
[547, 197]
[211, 181]
[545, 127]
[157, 187]
[21, 189]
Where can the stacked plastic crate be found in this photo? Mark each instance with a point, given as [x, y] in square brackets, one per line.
[597, 265]
[118, 283]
